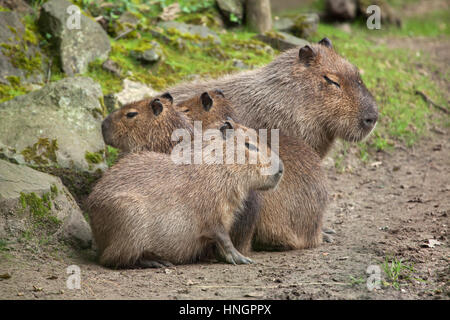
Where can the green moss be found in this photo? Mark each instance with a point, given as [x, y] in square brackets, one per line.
[93, 157]
[9, 91]
[43, 152]
[112, 154]
[19, 57]
[3, 9]
[40, 209]
[54, 191]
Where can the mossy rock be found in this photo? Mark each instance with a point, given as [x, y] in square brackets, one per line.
[75, 45]
[21, 60]
[34, 205]
[55, 125]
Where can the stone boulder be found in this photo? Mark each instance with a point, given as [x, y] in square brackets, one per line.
[301, 25]
[59, 124]
[201, 32]
[230, 8]
[76, 45]
[341, 10]
[38, 204]
[20, 57]
[281, 40]
[133, 91]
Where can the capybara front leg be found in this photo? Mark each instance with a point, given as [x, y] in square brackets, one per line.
[227, 251]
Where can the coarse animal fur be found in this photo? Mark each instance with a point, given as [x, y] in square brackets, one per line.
[144, 125]
[289, 217]
[309, 92]
[149, 211]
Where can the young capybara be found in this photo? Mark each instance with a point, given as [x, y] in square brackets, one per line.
[149, 211]
[128, 135]
[309, 92]
[144, 125]
[289, 217]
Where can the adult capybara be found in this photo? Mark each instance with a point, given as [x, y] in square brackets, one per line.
[310, 92]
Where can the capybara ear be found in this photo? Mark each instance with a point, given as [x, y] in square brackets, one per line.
[227, 125]
[326, 42]
[306, 55]
[167, 96]
[219, 92]
[207, 101]
[157, 106]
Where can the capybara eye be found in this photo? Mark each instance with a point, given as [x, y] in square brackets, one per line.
[131, 115]
[331, 81]
[251, 147]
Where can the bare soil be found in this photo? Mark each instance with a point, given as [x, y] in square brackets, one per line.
[391, 206]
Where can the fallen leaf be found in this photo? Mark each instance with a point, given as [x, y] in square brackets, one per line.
[37, 289]
[170, 12]
[376, 164]
[5, 276]
[431, 243]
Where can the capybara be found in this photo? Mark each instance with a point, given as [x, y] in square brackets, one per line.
[150, 211]
[144, 125]
[309, 92]
[289, 217]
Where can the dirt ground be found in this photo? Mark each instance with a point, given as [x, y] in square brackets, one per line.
[391, 206]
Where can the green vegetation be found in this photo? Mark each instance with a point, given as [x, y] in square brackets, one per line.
[93, 157]
[356, 281]
[398, 272]
[392, 75]
[43, 152]
[40, 209]
[112, 154]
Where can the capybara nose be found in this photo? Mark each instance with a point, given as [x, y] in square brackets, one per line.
[369, 121]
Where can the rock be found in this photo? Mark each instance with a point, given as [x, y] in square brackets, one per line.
[20, 57]
[151, 55]
[341, 10]
[112, 67]
[281, 40]
[231, 9]
[19, 6]
[38, 202]
[111, 103]
[193, 30]
[302, 25]
[125, 24]
[76, 47]
[239, 64]
[133, 91]
[346, 27]
[56, 125]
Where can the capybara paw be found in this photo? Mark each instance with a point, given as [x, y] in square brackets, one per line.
[328, 230]
[327, 237]
[154, 264]
[240, 259]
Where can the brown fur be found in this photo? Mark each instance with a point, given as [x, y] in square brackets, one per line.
[289, 217]
[147, 208]
[296, 94]
[144, 131]
[194, 109]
